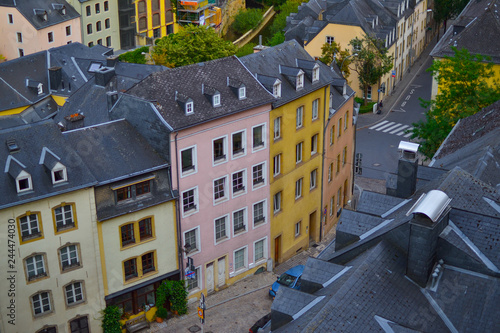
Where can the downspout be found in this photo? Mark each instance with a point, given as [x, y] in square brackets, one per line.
[178, 215]
[322, 167]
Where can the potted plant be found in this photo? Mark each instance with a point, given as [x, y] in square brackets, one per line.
[161, 313]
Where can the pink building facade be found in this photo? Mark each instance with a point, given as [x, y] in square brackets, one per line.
[224, 197]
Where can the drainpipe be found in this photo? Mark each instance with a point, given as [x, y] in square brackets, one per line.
[178, 215]
[323, 165]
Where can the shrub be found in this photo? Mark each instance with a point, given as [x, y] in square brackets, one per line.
[245, 50]
[279, 21]
[246, 20]
[135, 56]
[111, 319]
[366, 108]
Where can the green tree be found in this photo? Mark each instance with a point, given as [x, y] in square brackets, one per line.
[463, 91]
[191, 45]
[279, 21]
[246, 20]
[333, 52]
[447, 9]
[371, 61]
[136, 56]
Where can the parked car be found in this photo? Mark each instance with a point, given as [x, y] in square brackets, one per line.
[262, 325]
[290, 279]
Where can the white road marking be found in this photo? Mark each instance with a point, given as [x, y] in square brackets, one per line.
[379, 124]
[391, 128]
[386, 125]
[399, 129]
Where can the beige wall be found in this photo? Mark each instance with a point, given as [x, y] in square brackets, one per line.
[112, 14]
[32, 40]
[84, 234]
[164, 243]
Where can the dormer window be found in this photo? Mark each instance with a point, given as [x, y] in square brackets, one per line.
[242, 94]
[189, 107]
[59, 174]
[216, 100]
[277, 89]
[315, 74]
[23, 182]
[300, 81]
[42, 14]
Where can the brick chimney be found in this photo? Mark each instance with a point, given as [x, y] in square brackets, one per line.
[430, 217]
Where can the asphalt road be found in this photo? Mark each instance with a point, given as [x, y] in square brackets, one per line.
[378, 142]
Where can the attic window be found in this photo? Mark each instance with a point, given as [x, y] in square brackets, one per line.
[94, 67]
[216, 100]
[315, 74]
[42, 14]
[300, 81]
[277, 89]
[23, 182]
[189, 107]
[60, 8]
[12, 146]
[59, 174]
[242, 94]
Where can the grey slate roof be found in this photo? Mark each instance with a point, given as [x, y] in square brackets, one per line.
[475, 29]
[306, 24]
[282, 61]
[356, 222]
[30, 8]
[114, 151]
[162, 87]
[376, 203]
[30, 152]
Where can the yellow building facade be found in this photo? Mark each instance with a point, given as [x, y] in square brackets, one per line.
[295, 174]
[154, 19]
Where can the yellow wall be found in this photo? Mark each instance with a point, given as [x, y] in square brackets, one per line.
[149, 14]
[164, 243]
[292, 210]
[60, 100]
[49, 245]
[14, 111]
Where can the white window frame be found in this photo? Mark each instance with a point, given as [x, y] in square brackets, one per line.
[315, 108]
[298, 228]
[315, 74]
[227, 229]
[298, 188]
[299, 152]
[299, 117]
[264, 136]
[300, 80]
[369, 93]
[329, 40]
[224, 148]
[66, 30]
[245, 222]
[314, 144]
[53, 38]
[344, 156]
[19, 37]
[330, 170]
[59, 167]
[332, 135]
[277, 124]
[243, 144]
[225, 197]
[313, 180]
[346, 119]
[22, 176]
[33, 260]
[277, 202]
[244, 183]
[40, 299]
[216, 99]
[68, 253]
[331, 205]
[193, 159]
[197, 240]
[277, 89]
[276, 165]
[264, 214]
[245, 261]
[264, 251]
[197, 274]
[189, 108]
[74, 294]
[264, 175]
[30, 229]
[242, 93]
[63, 220]
[10, 18]
[195, 199]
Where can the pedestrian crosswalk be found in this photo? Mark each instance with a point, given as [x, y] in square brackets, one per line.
[391, 127]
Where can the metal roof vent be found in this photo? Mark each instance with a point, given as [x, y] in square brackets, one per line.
[431, 204]
[12, 145]
[408, 150]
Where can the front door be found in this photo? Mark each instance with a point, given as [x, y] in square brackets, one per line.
[209, 273]
[221, 269]
[312, 228]
[277, 250]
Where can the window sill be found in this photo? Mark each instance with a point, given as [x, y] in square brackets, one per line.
[71, 268]
[220, 200]
[131, 245]
[238, 272]
[189, 212]
[221, 240]
[188, 172]
[239, 231]
[259, 223]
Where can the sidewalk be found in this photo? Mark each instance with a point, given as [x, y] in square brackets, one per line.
[239, 306]
[369, 119]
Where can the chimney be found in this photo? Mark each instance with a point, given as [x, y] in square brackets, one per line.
[103, 75]
[407, 169]
[55, 77]
[430, 217]
[112, 60]
[112, 97]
